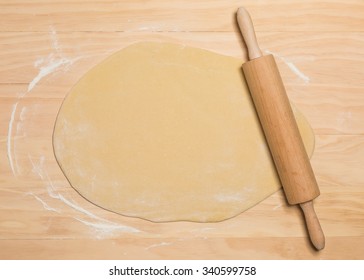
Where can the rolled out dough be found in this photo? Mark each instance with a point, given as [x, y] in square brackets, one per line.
[166, 132]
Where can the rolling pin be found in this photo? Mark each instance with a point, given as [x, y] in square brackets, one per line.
[280, 129]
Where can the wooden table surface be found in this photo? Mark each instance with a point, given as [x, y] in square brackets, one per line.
[46, 46]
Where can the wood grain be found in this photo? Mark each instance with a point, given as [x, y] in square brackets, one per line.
[193, 249]
[177, 16]
[46, 46]
[301, 56]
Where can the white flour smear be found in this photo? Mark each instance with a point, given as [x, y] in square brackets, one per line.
[9, 142]
[106, 228]
[102, 226]
[292, 67]
[158, 245]
[53, 62]
[45, 205]
[47, 65]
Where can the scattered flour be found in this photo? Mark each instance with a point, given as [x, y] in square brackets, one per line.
[47, 65]
[108, 227]
[45, 205]
[158, 245]
[292, 67]
[277, 206]
[9, 139]
[102, 226]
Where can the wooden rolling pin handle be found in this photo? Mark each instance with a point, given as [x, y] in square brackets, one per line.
[280, 129]
[247, 30]
[313, 225]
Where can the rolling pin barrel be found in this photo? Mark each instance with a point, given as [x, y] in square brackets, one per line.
[281, 130]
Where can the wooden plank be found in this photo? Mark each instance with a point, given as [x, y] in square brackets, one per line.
[84, 50]
[301, 57]
[330, 109]
[338, 160]
[61, 213]
[175, 16]
[36, 180]
[183, 248]
[340, 111]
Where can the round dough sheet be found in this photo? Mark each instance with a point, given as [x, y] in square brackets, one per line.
[166, 132]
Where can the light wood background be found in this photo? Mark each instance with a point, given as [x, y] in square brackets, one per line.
[46, 46]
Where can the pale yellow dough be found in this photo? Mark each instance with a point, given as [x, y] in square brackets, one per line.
[166, 132]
